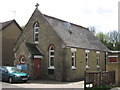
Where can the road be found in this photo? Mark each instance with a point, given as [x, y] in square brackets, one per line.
[45, 85]
[7, 85]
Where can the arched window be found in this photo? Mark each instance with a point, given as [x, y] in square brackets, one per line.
[51, 56]
[36, 28]
[51, 60]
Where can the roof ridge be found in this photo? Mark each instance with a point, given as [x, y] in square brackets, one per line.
[65, 21]
[6, 23]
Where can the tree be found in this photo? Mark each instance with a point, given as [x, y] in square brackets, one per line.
[114, 37]
[102, 37]
[92, 29]
[111, 40]
[23, 26]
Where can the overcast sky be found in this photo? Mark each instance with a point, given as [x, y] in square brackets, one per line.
[103, 14]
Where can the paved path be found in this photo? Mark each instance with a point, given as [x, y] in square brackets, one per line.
[50, 84]
[7, 85]
[117, 88]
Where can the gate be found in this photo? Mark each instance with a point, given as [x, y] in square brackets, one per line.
[99, 78]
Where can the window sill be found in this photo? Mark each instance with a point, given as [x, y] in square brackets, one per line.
[73, 68]
[87, 67]
[36, 42]
[98, 66]
[51, 67]
[112, 62]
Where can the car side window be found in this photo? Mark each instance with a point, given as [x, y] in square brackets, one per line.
[4, 70]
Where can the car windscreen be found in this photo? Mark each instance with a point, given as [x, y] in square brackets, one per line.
[12, 69]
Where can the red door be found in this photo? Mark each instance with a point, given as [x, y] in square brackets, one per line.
[37, 67]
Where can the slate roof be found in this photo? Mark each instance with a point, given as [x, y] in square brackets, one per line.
[80, 37]
[34, 50]
[7, 23]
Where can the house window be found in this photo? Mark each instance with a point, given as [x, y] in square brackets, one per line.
[87, 58]
[51, 71]
[51, 60]
[98, 59]
[73, 58]
[106, 57]
[36, 28]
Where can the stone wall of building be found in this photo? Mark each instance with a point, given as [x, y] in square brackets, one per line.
[114, 66]
[78, 73]
[22, 50]
[46, 37]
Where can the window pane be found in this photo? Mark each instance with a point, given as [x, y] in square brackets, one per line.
[86, 58]
[72, 61]
[36, 38]
[51, 48]
[36, 34]
[51, 71]
[51, 56]
[97, 59]
[73, 58]
[22, 59]
[51, 53]
[97, 62]
[72, 53]
[52, 61]
[86, 61]
[36, 29]
[36, 25]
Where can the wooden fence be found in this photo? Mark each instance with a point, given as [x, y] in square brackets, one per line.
[101, 78]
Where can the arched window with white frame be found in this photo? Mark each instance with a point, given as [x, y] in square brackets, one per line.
[51, 56]
[36, 29]
[51, 60]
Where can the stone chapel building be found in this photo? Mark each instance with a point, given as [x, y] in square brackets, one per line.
[50, 48]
